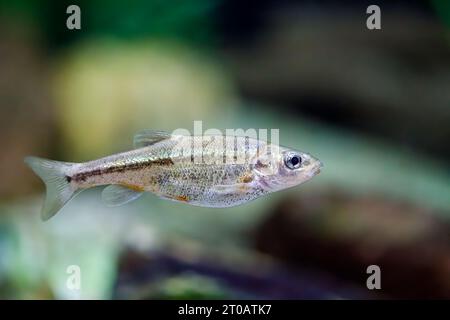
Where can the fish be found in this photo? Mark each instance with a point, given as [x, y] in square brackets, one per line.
[210, 171]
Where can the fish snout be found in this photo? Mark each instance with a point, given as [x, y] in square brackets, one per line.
[318, 167]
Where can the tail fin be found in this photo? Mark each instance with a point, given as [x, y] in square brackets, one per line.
[59, 189]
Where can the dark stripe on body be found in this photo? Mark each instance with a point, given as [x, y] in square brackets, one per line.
[82, 176]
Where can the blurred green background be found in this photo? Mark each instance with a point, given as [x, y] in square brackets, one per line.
[373, 106]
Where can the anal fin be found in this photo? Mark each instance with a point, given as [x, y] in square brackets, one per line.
[117, 195]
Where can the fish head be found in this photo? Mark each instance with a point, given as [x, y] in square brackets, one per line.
[284, 168]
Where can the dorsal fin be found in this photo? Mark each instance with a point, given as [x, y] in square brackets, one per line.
[148, 137]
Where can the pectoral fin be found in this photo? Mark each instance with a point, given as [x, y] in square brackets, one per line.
[231, 188]
[117, 195]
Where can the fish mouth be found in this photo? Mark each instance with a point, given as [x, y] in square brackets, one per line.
[318, 167]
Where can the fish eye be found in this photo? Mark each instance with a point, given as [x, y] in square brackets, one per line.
[292, 161]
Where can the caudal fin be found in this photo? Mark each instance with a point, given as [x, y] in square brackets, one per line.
[59, 189]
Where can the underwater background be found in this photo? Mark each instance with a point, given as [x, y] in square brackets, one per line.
[372, 105]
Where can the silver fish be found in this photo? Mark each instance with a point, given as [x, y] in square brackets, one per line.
[208, 171]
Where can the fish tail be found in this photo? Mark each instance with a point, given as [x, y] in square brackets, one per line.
[59, 189]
